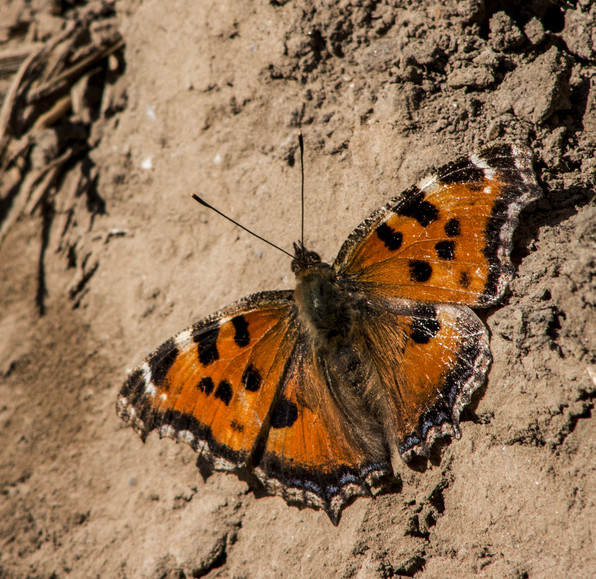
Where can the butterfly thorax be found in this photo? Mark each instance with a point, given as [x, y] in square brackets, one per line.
[323, 307]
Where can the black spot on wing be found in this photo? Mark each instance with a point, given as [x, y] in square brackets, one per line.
[462, 171]
[241, 337]
[224, 392]
[251, 379]
[415, 206]
[235, 425]
[206, 340]
[285, 414]
[161, 362]
[452, 227]
[206, 385]
[445, 250]
[391, 238]
[464, 279]
[425, 324]
[420, 271]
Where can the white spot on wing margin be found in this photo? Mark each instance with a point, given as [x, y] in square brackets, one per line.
[150, 389]
[482, 164]
[184, 339]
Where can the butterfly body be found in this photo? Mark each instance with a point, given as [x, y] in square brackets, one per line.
[323, 307]
[321, 392]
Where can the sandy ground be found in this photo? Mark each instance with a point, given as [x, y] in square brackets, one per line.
[210, 101]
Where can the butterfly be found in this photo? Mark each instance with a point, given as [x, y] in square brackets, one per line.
[319, 393]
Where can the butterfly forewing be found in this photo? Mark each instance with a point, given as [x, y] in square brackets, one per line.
[447, 239]
[213, 384]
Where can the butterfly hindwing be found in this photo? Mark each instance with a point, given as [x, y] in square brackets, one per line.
[314, 455]
[429, 358]
[448, 238]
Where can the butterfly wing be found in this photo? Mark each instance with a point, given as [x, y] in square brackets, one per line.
[428, 359]
[213, 384]
[448, 238]
[441, 246]
[316, 453]
[244, 388]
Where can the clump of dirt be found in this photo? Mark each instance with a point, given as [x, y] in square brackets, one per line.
[104, 256]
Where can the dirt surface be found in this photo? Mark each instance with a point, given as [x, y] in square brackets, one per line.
[209, 101]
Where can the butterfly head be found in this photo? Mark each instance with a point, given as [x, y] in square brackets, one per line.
[307, 263]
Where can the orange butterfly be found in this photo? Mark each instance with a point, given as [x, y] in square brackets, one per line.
[319, 391]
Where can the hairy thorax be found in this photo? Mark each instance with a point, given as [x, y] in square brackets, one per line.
[324, 307]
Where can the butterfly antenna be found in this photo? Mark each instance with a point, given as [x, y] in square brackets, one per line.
[301, 144]
[205, 204]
